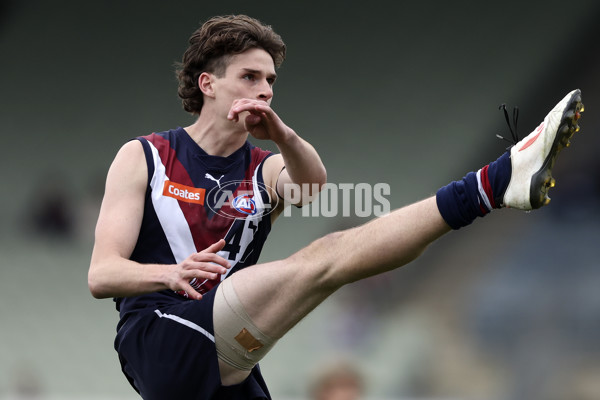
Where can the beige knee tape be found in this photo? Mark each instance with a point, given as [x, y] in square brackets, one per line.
[239, 343]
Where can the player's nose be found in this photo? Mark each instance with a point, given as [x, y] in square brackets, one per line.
[265, 92]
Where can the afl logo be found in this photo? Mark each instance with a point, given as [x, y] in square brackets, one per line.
[248, 198]
[245, 204]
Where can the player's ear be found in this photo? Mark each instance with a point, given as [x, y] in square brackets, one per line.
[205, 83]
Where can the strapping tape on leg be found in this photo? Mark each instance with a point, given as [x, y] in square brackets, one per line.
[239, 342]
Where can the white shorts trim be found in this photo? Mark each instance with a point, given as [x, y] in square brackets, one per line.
[187, 323]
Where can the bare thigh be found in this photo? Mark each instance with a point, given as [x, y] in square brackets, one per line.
[277, 295]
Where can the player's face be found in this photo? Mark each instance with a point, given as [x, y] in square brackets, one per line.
[249, 75]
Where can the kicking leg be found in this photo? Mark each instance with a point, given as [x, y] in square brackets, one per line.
[269, 299]
[273, 297]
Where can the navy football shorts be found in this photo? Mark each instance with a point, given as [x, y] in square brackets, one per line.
[168, 352]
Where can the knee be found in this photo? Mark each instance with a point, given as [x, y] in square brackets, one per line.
[317, 263]
[239, 342]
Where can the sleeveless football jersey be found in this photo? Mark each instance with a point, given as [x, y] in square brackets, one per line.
[194, 199]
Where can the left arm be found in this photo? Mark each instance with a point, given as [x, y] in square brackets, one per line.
[303, 166]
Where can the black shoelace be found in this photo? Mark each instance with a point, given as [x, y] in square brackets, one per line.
[512, 128]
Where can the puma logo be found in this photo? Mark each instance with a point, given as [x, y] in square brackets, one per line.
[212, 178]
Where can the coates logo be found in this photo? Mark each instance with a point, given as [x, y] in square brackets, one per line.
[184, 193]
[240, 197]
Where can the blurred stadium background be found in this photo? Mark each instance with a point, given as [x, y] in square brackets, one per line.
[393, 92]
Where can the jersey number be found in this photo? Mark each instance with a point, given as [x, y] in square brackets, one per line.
[239, 237]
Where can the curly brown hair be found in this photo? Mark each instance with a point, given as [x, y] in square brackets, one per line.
[211, 47]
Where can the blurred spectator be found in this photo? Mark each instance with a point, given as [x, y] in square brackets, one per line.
[339, 381]
[25, 383]
[51, 214]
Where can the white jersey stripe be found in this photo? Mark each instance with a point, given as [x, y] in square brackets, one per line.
[169, 213]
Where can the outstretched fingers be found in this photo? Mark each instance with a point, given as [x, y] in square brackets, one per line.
[204, 265]
[215, 247]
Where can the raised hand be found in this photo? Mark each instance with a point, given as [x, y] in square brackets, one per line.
[261, 122]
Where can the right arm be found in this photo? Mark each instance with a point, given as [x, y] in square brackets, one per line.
[111, 273]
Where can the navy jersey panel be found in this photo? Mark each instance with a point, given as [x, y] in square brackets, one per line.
[169, 352]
